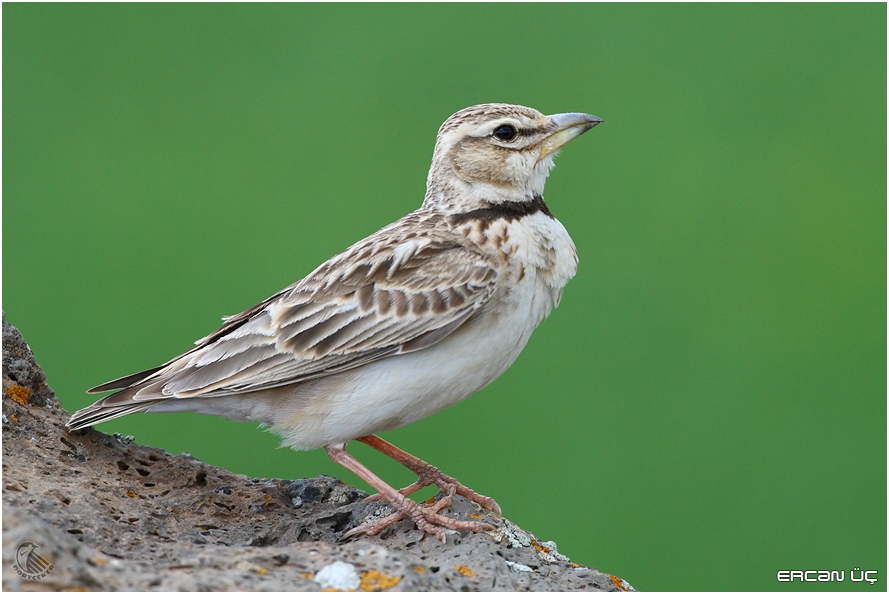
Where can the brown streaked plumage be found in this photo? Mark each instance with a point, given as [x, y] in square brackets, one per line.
[406, 322]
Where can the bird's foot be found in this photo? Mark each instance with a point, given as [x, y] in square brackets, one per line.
[427, 518]
[426, 475]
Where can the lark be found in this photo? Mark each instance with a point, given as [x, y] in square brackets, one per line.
[407, 322]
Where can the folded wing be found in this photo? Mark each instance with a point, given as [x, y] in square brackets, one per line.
[378, 299]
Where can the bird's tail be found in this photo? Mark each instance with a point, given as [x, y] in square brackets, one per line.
[97, 413]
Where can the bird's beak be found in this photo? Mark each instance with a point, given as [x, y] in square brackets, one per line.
[566, 127]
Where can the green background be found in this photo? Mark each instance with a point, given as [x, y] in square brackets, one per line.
[708, 404]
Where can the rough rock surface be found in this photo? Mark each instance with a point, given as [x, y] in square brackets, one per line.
[109, 514]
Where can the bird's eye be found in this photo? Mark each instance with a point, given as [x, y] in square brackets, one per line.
[505, 132]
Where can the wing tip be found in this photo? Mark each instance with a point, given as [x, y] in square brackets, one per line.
[126, 381]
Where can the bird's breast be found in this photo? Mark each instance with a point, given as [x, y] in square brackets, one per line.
[537, 259]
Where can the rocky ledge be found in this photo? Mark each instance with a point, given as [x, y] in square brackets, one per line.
[90, 511]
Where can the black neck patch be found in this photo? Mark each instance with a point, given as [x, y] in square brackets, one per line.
[508, 211]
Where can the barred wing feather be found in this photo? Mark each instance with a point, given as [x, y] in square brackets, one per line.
[376, 300]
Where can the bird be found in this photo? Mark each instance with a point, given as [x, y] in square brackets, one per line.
[405, 323]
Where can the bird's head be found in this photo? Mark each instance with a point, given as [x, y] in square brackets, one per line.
[495, 152]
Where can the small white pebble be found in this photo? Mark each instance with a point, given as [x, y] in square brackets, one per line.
[5, 420]
[338, 576]
[297, 501]
[517, 567]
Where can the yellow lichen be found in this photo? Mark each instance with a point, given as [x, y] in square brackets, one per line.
[465, 570]
[132, 494]
[618, 582]
[307, 575]
[374, 581]
[19, 394]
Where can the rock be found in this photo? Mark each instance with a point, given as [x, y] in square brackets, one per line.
[105, 513]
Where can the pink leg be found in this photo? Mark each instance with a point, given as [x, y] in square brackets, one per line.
[427, 519]
[427, 474]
